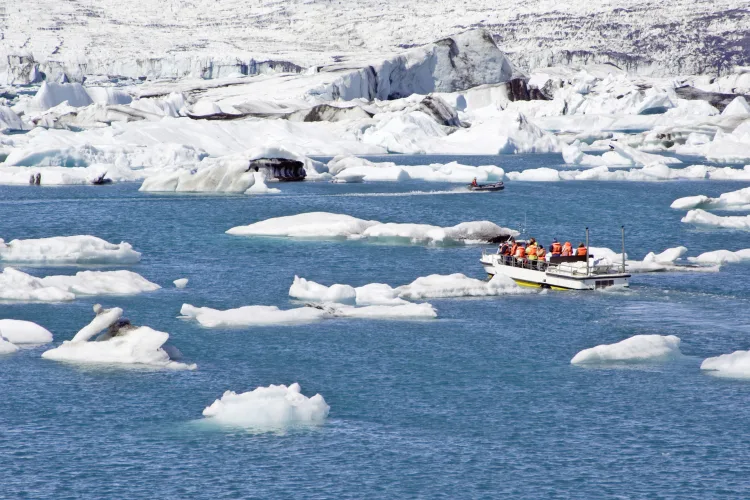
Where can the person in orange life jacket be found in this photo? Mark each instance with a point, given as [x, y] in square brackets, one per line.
[514, 248]
[567, 249]
[474, 182]
[540, 253]
[581, 250]
[520, 252]
[555, 249]
[503, 249]
[531, 251]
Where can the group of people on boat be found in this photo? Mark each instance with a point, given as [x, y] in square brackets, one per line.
[535, 251]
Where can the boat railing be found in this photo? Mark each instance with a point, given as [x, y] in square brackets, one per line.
[509, 260]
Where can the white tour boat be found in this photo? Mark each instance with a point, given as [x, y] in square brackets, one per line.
[558, 273]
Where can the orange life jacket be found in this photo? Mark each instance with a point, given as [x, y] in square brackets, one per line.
[531, 250]
[567, 249]
[540, 253]
[556, 247]
[582, 251]
[521, 253]
[513, 249]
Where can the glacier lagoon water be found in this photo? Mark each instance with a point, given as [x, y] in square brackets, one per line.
[481, 402]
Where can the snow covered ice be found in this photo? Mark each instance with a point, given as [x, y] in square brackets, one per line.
[636, 349]
[701, 218]
[24, 332]
[734, 365]
[722, 257]
[120, 345]
[16, 285]
[734, 200]
[67, 250]
[323, 225]
[272, 408]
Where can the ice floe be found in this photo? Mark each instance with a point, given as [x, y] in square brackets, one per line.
[636, 349]
[272, 408]
[652, 262]
[16, 285]
[326, 225]
[24, 332]
[272, 315]
[67, 250]
[426, 287]
[734, 365]
[121, 344]
[701, 218]
[180, 283]
[352, 167]
[734, 200]
[722, 257]
[7, 347]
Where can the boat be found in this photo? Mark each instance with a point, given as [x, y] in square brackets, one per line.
[495, 186]
[558, 273]
[101, 180]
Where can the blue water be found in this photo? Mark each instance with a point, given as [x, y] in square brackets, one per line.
[480, 403]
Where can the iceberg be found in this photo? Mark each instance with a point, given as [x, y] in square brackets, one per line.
[272, 408]
[67, 250]
[738, 107]
[18, 286]
[326, 225]
[52, 94]
[734, 365]
[652, 262]
[24, 332]
[180, 283]
[271, 315]
[427, 287]
[701, 218]
[636, 349]
[122, 344]
[734, 200]
[7, 347]
[719, 257]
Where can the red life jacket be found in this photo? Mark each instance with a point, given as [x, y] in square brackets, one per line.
[582, 251]
[556, 247]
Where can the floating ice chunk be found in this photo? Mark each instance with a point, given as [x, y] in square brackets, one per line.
[457, 285]
[738, 107]
[640, 158]
[103, 320]
[702, 218]
[272, 408]
[24, 332]
[668, 256]
[664, 261]
[722, 257]
[7, 347]
[573, 154]
[68, 250]
[259, 186]
[543, 174]
[108, 95]
[399, 311]
[136, 346]
[19, 286]
[180, 283]
[734, 365]
[9, 120]
[734, 200]
[51, 94]
[345, 167]
[636, 349]
[252, 316]
[657, 103]
[309, 290]
[307, 225]
[730, 174]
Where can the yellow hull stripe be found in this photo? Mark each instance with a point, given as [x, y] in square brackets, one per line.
[532, 284]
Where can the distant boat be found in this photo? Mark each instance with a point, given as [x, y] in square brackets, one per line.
[495, 186]
[283, 169]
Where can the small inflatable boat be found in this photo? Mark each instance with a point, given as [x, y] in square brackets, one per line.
[496, 186]
[101, 180]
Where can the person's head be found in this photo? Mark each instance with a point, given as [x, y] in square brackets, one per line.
[554, 240]
[581, 245]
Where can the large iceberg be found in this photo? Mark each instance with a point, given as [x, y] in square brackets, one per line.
[338, 226]
[734, 365]
[16, 285]
[272, 408]
[636, 349]
[121, 344]
[722, 257]
[68, 250]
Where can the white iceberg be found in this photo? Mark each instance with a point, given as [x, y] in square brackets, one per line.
[665, 261]
[16, 285]
[351, 167]
[180, 283]
[636, 349]
[272, 408]
[7, 347]
[120, 345]
[51, 94]
[734, 365]
[338, 226]
[738, 107]
[734, 200]
[24, 332]
[427, 287]
[701, 218]
[722, 257]
[68, 250]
